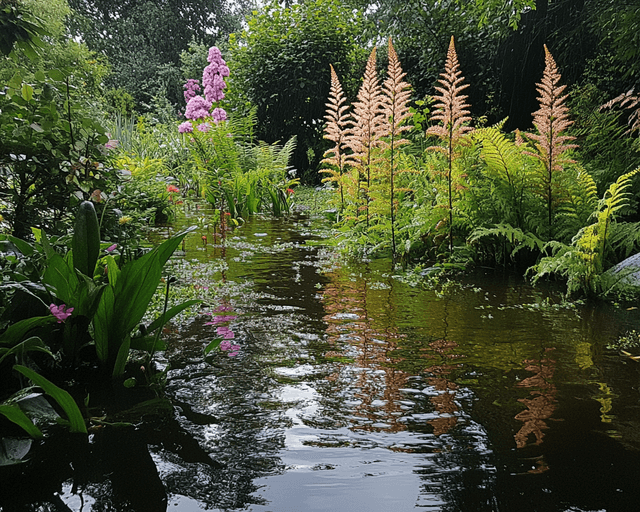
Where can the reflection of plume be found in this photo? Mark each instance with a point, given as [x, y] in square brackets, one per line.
[444, 403]
[352, 309]
[541, 406]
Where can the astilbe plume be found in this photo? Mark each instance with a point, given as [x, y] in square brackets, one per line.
[337, 118]
[551, 119]
[367, 127]
[451, 111]
[395, 103]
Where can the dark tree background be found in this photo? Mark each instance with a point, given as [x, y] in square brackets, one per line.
[143, 40]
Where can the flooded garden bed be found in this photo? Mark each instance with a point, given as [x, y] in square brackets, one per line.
[352, 390]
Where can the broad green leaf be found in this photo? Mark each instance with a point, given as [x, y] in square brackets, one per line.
[33, 344]
[56, 74]
[16, 332]
[175, 310]
[62, 397]
[215, 343]
[123, 355]
[27, 92]
[102, 323]
[61, 278]
[139, 280]
[14, 413]
[24, 247]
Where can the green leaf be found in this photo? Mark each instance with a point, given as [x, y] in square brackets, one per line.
[33, 344]
[130, 382]
[14, 413]
[175, 310]
[56, 74]
[61, 279]
[16, 332]
[27, 92]
[215, 343]
[121, 359]
[62, 397]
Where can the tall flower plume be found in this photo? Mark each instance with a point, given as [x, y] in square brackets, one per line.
[551, 119]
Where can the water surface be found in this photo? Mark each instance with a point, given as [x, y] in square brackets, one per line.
[353, 391]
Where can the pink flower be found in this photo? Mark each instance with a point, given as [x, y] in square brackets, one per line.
[203, 127]
[197, 108]
[112, 248]
[185, 127]
[225, 332]
[227, 346]
[219, 114]
[191, 87]
[60, 312]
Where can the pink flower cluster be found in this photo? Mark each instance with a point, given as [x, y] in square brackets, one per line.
[213, 76]
[185, 127]
[60, 312]
[191, 89]
[224, 331]
[198, 107]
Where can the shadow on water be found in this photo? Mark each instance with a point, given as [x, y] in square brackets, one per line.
[353, 391]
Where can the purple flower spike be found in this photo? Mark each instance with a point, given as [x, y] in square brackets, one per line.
[112, 248]
[197, 108]
[60, 312]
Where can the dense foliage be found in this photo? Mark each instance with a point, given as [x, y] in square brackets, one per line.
[428, 176]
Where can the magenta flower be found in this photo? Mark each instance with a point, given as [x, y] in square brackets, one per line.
[185, 127]
[60, 312]
[227, 346]
[197, 108]
[191, 88]
[220, 319]
[219, 114]
[112, 248]
[225, 332]
[212, 76]
[204, 127]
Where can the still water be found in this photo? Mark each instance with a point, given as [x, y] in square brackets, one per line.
[353, 391]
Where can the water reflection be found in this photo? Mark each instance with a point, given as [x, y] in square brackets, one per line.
[354, 392]
[541, 406]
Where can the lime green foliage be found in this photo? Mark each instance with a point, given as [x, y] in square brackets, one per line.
[582, 262]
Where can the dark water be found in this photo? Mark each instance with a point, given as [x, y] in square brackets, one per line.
[353, 391]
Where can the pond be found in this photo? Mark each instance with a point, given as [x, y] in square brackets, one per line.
[354, 391]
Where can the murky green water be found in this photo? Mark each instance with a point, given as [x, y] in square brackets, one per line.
[353, 391]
